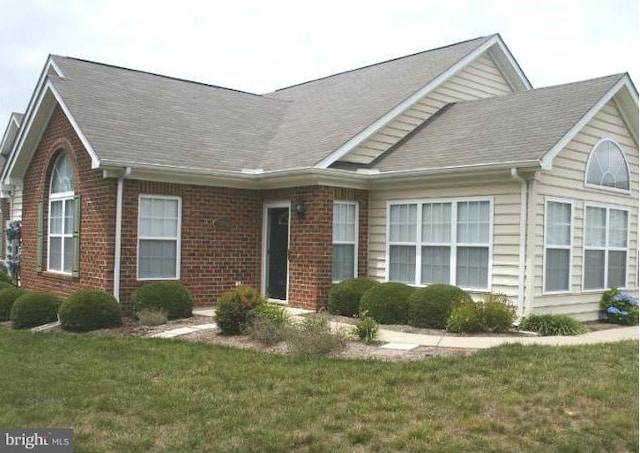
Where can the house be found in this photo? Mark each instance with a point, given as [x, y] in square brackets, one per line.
[442, 166]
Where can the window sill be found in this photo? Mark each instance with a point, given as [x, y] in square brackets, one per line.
[58, 276]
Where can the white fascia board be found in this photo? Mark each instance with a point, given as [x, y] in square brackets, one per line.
[13, 127]
[32, 107]
[509, 66]
[406, 104]
[95, 161]
[547, 159]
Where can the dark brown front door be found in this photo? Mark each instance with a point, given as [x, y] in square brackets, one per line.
[277, 252]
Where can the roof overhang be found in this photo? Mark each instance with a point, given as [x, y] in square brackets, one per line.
[298, 177]
[624, 94]
[496, 49]
[41, 106]
[10, 134]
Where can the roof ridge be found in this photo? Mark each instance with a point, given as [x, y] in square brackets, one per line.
[380, 63]
[155, 74]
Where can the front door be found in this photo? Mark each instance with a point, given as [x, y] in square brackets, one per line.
[277, 251]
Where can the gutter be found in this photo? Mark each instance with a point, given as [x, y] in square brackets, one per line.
[522, 239]
[117, 256]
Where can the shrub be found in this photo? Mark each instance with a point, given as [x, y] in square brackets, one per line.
[7, 297]
[172, 297]
[90, 310]
[366, 329]
[34, 309]
[431, 306]
[5, 285]
[553, 325]
[314, 337]
[267, 324]
[152, 317]
[619, 308]
[233, 307]
[466, 316]
[498, 313]
[344, 297]
[387, 303]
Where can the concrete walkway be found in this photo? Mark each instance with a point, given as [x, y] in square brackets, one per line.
[407, 341]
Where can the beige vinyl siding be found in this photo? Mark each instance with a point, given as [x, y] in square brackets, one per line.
[16, 205]
[506, 225]
[480, 79]
[566, 180]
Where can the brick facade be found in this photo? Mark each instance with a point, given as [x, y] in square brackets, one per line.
[97, 229]
[221, 234]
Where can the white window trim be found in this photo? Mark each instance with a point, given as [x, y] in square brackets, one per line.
[59, 197]
[563, 247]
[606, 248]
[355, 241]
[453, 244]
[178, 238]
[601, 187]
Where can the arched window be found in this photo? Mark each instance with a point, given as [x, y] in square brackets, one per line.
[607, 166]
[61, 216]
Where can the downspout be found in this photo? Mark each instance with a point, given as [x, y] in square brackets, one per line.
[118, 239]
[523, 238]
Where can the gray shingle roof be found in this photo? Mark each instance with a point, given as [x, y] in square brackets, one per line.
[132, 117]
[517, 127]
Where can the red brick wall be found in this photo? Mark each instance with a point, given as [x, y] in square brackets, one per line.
[97, 213]
[213, 258]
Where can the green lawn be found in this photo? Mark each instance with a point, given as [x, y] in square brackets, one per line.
[133, 395]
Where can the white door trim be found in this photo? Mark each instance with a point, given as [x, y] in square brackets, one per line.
[265, 230]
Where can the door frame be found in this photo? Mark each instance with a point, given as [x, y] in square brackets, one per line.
[265, 240]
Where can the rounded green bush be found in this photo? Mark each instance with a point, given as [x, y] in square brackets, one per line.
[4, 276]
[431, 306]
[5, 285]
[499, 313]
[233, 307]
[34, 309]
[172, 297]
[466, 316]
[7, 297]
[89, 310]
[344, 297]
[387, 303]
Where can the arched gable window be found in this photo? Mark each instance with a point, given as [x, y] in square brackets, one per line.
[607, 166]
[62, 216]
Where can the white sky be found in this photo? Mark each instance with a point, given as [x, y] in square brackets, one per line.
[259, 46]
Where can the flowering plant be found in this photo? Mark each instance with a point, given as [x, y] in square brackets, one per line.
[618, 308]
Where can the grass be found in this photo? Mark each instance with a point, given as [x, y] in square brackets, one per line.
[151, 395]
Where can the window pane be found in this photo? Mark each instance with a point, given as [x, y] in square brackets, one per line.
[557, 270]
[68, 216]
[62, 175]
[617, 269]
[157, 259]
[56, 217]
[607, 166]
[403, 223]
[55, 254]
[596, 227]
[436, 223]
[402, 264]
[473, 222]
[594, 269]
[344, 222]
[343, 262]
[617, 228]
[558, 223]
[158, 218]
[472, 267]
[436, 265]
[68, 254]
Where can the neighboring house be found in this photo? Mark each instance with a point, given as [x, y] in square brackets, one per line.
[443, 166]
